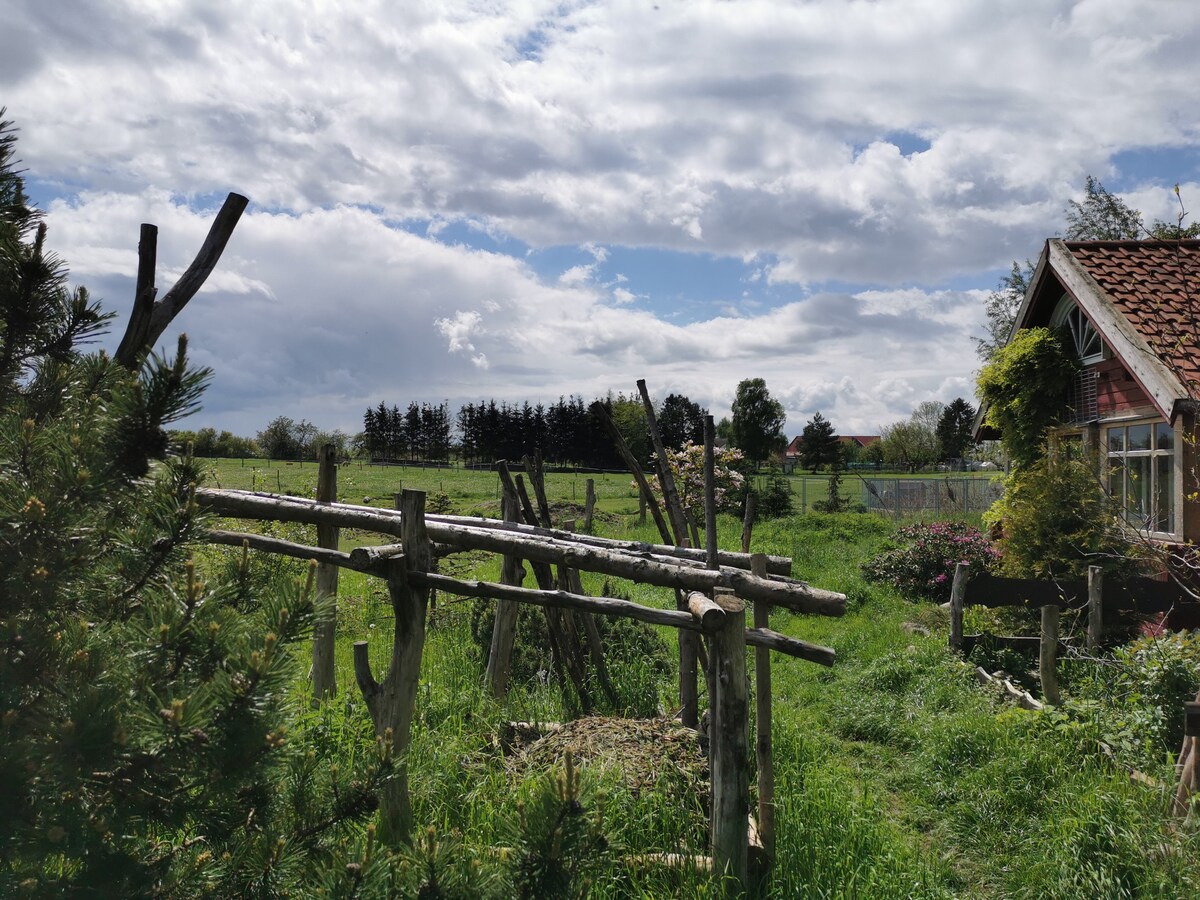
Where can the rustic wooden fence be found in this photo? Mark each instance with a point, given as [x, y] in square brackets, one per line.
[1104, 600]
[712, 588]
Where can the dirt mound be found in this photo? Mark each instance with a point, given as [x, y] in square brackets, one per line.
[644, 751]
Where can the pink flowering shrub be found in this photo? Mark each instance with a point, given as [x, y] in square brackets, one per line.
[921, 560]
[687, 467]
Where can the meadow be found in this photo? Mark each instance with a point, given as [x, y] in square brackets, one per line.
[897, 775]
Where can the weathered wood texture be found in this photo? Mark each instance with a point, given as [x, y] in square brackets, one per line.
[958, 593]
[1095, 629]
[287, 548]
[1048, 655]
[707, 612]
[377, 565]
[504, 625]
[150, 319]
[763, 723]
[730, 750]
[324, 682]
[748, 529]
[776, 565]
[710, 494]
[589, 505]
[391, 702]
[796, 596]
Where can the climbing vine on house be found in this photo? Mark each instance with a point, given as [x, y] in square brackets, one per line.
[1025, 389]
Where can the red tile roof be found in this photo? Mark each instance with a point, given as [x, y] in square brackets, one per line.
[1155, 285]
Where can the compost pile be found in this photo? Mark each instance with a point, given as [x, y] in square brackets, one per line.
[648, 753]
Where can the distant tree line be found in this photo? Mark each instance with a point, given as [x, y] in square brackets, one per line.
[569, 431]
[419, 434]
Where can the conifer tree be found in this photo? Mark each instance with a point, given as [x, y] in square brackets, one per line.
[147, 741]
[819, 444]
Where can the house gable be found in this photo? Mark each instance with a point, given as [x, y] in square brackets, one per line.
[1137, 296]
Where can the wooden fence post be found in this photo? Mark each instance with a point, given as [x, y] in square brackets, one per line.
[323, 681]
[710, 493]
[748, 522]
[589, 505]
[391, 702]
[958, 593]
[505, 623]
[1095, 608]
[1048, 653]
[1188, 766]
[729, 748]
[763, 720]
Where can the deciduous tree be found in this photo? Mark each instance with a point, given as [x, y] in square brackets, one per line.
[757, 421]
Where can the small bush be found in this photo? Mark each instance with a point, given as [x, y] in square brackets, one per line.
[774, 499]
[1139, 707]
[922, 559]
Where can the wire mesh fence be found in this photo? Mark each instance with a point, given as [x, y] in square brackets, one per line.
[900, 496]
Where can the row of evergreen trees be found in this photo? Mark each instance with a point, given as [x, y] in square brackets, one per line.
[420, 433]
[565, 433]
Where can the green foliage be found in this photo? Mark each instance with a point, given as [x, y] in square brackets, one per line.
[922, 558]
[1025, 388]
[147, 722]
[1054, 520]
[560, 850]
[954, 429]
[757, 421]
[680, 422]
[1101, 216]
[820, 445]
[1001, 308]
[774, 499]
[1135, 704]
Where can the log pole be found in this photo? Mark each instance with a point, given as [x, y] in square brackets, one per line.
[710, 493]
[504, 625]
[324, 682]
[730, 751]
[589, 505]
[1095, 628]
[958, 593]
[748, 522]
[392, 701]
[1048, 651]
[764, 724]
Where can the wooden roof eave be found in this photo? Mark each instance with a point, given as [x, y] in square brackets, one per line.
[1161, 385]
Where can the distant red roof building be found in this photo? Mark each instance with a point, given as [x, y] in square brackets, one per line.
[854, 440]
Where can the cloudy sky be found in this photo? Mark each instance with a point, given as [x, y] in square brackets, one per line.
[463, 200]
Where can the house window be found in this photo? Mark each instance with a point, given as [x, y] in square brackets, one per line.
[1084, 338]
[1141, 474]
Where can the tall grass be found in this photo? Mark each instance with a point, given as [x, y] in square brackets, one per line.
[896, 775]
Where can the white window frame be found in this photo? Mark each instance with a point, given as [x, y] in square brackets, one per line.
[1176, 453]
[1083, 333]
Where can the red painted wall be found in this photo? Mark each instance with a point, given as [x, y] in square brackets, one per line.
[1116, 391]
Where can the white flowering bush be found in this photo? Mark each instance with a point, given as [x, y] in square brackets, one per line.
[687, 467]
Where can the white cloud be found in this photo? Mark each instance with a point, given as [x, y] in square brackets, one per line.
[459, 329]
[905, 146]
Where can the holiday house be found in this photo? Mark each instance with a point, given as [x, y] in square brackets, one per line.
[1132, 311]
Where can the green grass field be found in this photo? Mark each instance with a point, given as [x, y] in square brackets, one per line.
[897, 775]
